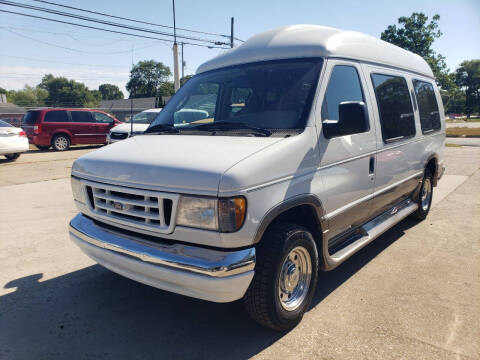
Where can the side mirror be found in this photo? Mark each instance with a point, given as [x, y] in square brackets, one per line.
[352, 120]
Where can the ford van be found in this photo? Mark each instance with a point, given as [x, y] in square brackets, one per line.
[312, 143]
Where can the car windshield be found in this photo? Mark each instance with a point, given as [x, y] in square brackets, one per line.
[272, 96]
[144, 117]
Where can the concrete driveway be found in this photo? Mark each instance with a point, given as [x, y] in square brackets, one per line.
[413, 293]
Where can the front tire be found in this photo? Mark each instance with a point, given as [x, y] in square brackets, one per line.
[12, 157]
[285, 278]
[424, 198]
[61, 142]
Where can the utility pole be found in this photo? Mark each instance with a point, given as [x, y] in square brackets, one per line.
[231, 32]
[176, 80]
[183, 64]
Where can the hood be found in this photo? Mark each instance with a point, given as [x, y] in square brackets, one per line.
[173, 163]
[125, 127]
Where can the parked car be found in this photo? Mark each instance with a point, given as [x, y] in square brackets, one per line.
[13, 141]
[321, 140]
[141, 122]
[60, 128]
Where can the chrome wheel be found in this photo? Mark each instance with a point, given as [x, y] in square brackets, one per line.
[294, 279]
[61, 143]
[426, 194]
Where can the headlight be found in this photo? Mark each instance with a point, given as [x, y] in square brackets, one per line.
[225, 215]
[77, 190]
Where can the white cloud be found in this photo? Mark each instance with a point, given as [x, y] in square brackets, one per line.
[15, 77]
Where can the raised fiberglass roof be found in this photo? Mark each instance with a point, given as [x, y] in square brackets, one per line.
[318, 41]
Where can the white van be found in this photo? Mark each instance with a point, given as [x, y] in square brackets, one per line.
[314, 142]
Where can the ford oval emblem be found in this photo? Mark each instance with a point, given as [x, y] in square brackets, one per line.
[118, 205]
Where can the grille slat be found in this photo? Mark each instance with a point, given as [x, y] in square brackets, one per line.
[136, 208]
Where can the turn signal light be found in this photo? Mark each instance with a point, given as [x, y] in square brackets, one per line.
[37, 129]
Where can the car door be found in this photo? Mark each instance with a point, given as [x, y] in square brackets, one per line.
[83, 131]
[102, 124]
[347, 162]
[399, 146]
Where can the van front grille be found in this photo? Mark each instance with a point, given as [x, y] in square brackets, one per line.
[137, 208]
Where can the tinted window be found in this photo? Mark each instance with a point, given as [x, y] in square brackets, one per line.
[102, 118]
[4, 124]
[427, 106]
[56, 116]
[344, 85]
[394, 106]
[30, 117]
[81, 116]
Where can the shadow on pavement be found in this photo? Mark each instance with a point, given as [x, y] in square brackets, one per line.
[72, 148]
[94, 313]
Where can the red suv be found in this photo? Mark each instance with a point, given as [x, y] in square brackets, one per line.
[61, 128]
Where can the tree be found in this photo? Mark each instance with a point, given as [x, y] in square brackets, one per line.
[28, 96]
[67, 93]
[415, 34]
[110, 92]
[147, 79]
[3, 91]
[467, 76]
[184, 79]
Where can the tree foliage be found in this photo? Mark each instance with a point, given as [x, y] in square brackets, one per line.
[110, 92]
[67, 93]
[416, 34]
[28, 96]
[149, 78]
[467, 76]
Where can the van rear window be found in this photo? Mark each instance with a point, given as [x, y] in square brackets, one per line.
[56, 116]
[427, 106]
[30, 117]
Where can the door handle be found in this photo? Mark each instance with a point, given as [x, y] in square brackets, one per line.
[371, 165]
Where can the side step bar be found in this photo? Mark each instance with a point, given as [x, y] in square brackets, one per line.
[368, 232]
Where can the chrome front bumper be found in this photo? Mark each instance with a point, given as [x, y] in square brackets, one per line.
[214, 275]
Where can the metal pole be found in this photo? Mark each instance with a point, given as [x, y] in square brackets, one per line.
[131, 116]
[231, 32]
[176, 80]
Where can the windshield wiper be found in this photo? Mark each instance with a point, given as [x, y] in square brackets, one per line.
[161, 128]
[231, 125]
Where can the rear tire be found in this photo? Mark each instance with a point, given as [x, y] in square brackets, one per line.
[12, 157]
[285, 279]
[424, 198]
[61, 142]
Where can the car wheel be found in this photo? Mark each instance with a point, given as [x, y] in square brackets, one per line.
[12, 156]
[43, 147]
[424, 199]
[61, 142]
[285, 279]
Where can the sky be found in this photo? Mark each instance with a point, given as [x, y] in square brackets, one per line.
[30, 48]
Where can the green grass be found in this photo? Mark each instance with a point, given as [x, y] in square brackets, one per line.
[463, 132]
[452, 145]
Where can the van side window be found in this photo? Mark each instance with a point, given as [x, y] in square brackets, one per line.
[81, 116]
[394, 106]
[56, 116]
[427, 106]
[344, 85]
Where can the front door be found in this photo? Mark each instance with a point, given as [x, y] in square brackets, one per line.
[347, 162]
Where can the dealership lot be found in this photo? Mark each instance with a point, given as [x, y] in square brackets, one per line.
[413, 293]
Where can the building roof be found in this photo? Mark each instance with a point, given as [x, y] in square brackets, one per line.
[125, 104]
[7, 108]
[318, 41]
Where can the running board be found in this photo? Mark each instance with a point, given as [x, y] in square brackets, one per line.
[368, 232]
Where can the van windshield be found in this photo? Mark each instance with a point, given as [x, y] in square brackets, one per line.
[273, 95]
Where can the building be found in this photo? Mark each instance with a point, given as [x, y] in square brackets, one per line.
[122, 109]
[10, 113]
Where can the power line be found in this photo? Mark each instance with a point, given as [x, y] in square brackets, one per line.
[104, 22]
[107, 30]
[134, 20]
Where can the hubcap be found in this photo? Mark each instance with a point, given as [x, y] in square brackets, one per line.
[294, 279]
[426, 194]
[61, 143]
